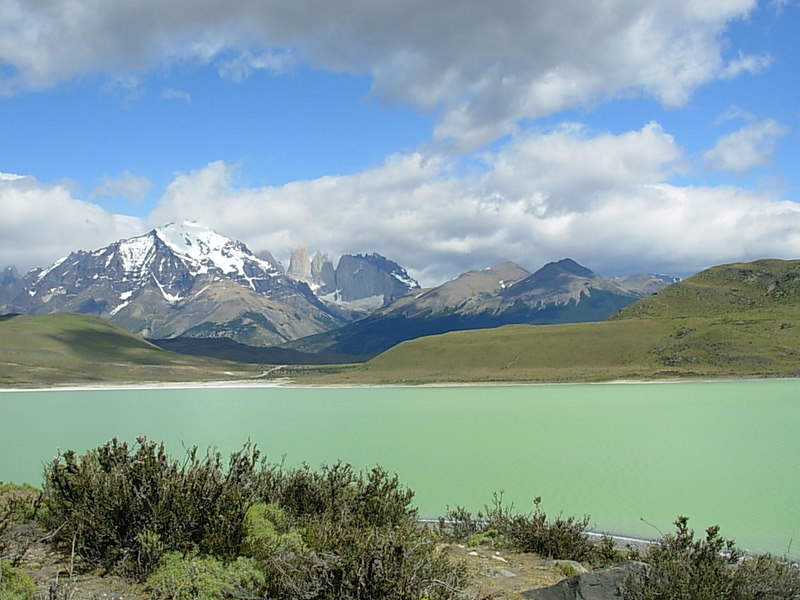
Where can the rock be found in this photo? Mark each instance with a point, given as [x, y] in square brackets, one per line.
[300, 264]
[603, 584]
[496, 573]
[499, 558]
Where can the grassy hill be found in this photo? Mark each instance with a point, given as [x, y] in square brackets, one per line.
[737, 320]
[63, 348]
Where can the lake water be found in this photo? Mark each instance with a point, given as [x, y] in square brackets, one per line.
[722, 453]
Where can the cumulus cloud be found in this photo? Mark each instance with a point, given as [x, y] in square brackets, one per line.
[605, 200]
[601, 199]
[482, 66]
[129, 186]
[43, 222]
[746, 148]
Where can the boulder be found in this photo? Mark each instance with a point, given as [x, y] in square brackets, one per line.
[602, 584]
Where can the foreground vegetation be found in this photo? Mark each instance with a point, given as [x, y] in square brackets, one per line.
[202, 528]
[64, 349]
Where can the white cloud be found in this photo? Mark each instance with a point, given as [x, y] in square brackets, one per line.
[601, 199]
[746, 64]
[604, 200]
[42, 223]
[171, 94]
[746, 148]
[129, 186]
[244, 63]
[481, 65]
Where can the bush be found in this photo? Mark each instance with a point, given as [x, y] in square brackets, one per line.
[561, 538]
[268, 533]
[124, 507]
[15, 584]
[376, 497]
[360, 536]
[765, 576]
[685, 568]
[395, 563]
[18, 506]
[328, 534]
[202, 578]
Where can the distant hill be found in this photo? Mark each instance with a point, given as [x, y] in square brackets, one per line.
[66, 348]
[559, 292]
[227, 349]
[736, 320]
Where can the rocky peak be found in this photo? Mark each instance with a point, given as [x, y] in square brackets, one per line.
[9, 275]
[323, 275]
[267, 256]
[565, 266]
[371, 280]
[300, 265]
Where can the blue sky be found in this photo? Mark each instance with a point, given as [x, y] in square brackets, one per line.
[630, 135]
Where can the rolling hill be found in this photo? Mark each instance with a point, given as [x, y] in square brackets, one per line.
[559, 292]
[735, 320]
[63, 348]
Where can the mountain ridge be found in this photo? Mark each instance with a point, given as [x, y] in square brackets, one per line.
[733, 320]
[500, 295]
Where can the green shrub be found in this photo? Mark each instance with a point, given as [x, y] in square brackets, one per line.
[761, 577]
[685, 568]
[392, 563]
[376, 497]
[268, 533]
[325, 534]
[124, 507]
[557, 538]
[361, 539]
[563, 538]
[18, 504]
[202, 578]
[15, 584]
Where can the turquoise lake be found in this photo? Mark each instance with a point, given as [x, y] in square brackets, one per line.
[632, 456]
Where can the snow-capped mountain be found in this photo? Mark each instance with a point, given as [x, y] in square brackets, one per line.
[179, 279]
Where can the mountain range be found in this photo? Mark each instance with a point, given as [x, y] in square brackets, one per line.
[559, 292]
[184, 280]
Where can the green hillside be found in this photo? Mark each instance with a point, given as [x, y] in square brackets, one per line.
[737, 320]
[65, 348]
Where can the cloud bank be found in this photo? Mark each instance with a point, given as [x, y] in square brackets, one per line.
[43, 222]
[602, 199]
[482, 66]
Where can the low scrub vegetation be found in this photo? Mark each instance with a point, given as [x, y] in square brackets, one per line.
[15, 584]
[203, 528]
[682, 567]
[559, 537]
[197, 527]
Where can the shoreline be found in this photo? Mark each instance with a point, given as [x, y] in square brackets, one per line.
[286, 383]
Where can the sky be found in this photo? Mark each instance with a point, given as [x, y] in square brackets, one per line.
[630, 135]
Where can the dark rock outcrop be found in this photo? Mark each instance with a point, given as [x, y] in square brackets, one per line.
[602, 584]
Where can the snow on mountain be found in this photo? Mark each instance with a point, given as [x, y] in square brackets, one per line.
[203, 249]
[178, 278]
